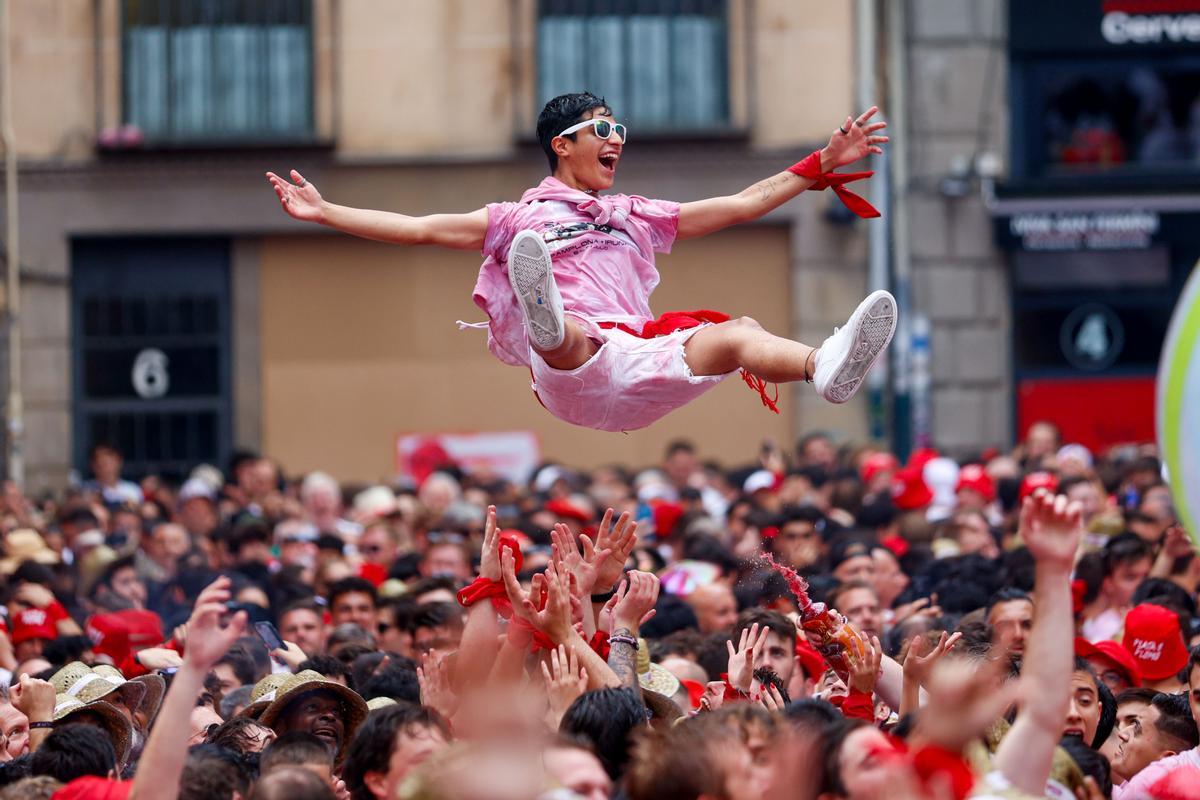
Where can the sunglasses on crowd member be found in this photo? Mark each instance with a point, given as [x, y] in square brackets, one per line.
[602, 127]
[442, 537]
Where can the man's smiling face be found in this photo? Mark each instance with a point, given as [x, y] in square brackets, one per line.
[317, 712]
[590, 160]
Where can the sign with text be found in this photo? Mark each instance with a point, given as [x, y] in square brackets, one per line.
[509, 455]
[1066, 26]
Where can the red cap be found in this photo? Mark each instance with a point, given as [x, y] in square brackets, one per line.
[695, 690]
[1114, 654]
[811, 661]
[565, 508]
[33, 623]
[1153, 636]
[876, 463]
[119, 634]
[1037, 480]
[909, 491]
[922, 456]
[91, 787]
[975, 478]
[375, 573]
[666, 515]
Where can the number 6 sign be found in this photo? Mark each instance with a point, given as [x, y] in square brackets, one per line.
[150, 378]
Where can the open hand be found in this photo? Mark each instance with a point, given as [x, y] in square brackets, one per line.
[210, 632]
[635, 600]
[489, 557]
[1051, 527]
[922, 658]
[583, 566]
[433, 676]
[34, 698]
[300, 199]
[155, 658]
[863, 660]
[855, 139]
[619, 540]
[565, 680]
[740, 668]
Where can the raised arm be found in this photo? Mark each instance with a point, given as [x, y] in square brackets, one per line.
[855, 139]
[301, 200]
[1051, 529]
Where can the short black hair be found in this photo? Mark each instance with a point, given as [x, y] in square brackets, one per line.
[213, 771]
[1008, 594]
[352, 584]
[1090, 762]
[1175, 721]
[243, 666]
[327, 665]
[606, 718]
[373, 743]
[73, 751]
[1124, 548]
[436, 615]
[771, 620]
[561, 113]
[295, 748]
[291, 783]
[397, 681]
[1104, 696]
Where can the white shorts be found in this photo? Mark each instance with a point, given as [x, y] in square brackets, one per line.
[628, 384]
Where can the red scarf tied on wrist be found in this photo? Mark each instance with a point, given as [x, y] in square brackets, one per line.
[810, 168]
[485, 589]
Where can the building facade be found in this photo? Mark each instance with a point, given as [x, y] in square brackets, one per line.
[169, 305]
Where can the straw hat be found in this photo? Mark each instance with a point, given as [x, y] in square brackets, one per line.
[376, 703]
[653, 677]
[263, 693]
[23, 545]
[307, 681]
[155, 685]
[89, 685]
[115, 724]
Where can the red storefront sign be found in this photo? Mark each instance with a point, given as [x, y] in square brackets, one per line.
[1095, 412]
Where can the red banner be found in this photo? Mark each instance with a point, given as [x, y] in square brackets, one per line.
[1095, 412]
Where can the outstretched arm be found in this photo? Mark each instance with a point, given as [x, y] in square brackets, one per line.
[706, 216]
[301, 200]
[1051, 529]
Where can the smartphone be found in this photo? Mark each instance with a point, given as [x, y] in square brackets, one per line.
[266, 631]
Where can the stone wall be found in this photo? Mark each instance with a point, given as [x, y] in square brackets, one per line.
[958, 109]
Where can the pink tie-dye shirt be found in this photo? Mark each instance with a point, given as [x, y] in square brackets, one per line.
[602, 249]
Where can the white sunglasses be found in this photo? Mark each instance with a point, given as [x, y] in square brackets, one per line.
[603, 128]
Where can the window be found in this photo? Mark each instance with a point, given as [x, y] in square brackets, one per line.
[1118, 115]
[197, 71]
[661, 64]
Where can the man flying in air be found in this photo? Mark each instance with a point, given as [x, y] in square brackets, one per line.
[568, 274]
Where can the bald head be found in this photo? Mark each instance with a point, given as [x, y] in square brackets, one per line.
[715, 607]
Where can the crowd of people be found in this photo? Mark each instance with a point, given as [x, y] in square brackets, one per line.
[821, 622]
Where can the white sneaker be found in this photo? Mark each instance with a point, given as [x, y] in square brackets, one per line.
[844, 358]
[532, 279]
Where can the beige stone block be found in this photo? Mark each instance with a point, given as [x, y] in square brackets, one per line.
[47, 436]
[46, 372]
[45, 312]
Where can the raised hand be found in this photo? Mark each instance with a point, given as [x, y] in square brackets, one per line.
[489, 557]
[740, 668]
[771, 699]
[635, 601]
[619, 540]
[155, 658]
[965, 698]
[210, 634]
[922, 657]
[565, 680]
[300, 199]
[524, 603]
[855, 139]
[583, 567]
[864, 660]
[1051, 527]
[433, 676]
[34, 698]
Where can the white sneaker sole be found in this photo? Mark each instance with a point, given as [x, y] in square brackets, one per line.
[872, 326]
[532, 278]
